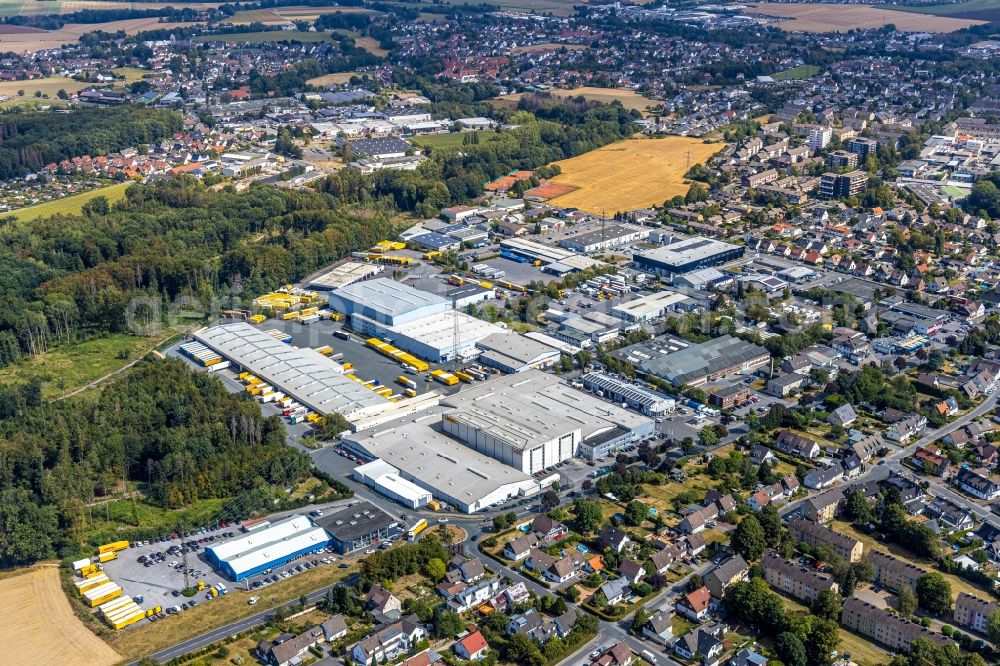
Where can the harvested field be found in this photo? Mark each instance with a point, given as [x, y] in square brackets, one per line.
[371, 45]
[630, 174]
[7, 29]
[50, 85]
[70, 33]
[983, 10]
[267, 37]
[628, 98]
[821, 17]
[332, 79]
[39, 626]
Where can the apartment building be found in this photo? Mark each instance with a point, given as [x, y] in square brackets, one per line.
[794, 579]
[890, 630]
[838, 186]
[894, 574]
[816, 535]
[973, 612]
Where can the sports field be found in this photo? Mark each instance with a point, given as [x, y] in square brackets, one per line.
[630, 174]
[630, 99]
[39, 626]
[822, 17]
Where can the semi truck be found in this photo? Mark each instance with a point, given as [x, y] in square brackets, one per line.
[114, 546]
[416, 529]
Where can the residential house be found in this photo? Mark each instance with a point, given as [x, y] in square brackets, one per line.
[383, 601]
[564, 623]
[843, 415]
[892, 573]
[759, 500]
[702, 642]
[619, 654]
[761, 454]
[732, 570]
[388, 642]
[973, 612]
[932, 460]
[891, 630]
[903, 430]
[547, 529]
[615, 590]
[823, 507]
[793, 579]
[659, 628]
[977, 485]
[694, 605]
[519, 548]
[820, 478]
[632, 571]
[695, 544]
[796, 445]
[461, 597]
[466, 570]
[817, 535]
[613, 538]
[949, 515]
[286, 650]
[472, 647]
[666, 556]
[747, 657]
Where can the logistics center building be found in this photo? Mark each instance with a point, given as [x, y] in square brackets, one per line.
[252, 553]
[687, 255]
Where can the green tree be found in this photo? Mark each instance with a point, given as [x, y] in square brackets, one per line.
[589, 516]
[907, 601]
[447, 624]
[993, 628]
[934, 593]
[827, 605]
[770, 522]
[824, 637]
[708, 437]
[790, 649]
[435, 569]
[635, 513]
[748, 539]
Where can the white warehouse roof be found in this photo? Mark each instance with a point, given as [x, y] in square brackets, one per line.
[306, 375]
[256, 548]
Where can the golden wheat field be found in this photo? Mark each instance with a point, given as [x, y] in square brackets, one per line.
[822, 17]
[39, 626]
[630, 174]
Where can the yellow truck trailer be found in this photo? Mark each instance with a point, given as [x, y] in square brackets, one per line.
[325, 350]
[410, 393]
[103, 594]
[153, 611]
[107, 557]
[113, 546]
[90, 583]
[258, 319]
[445, 378]
[87, 570]
[123, 622]
[463, 376]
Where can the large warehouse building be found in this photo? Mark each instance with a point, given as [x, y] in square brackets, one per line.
[687, 255]
[416, 321]
[250, 554]
[359, 526]
[314, 380]
[385, 479]
[696, 364]
[427, 457]
[533, 420]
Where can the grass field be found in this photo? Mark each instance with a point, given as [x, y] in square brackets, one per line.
[822, 17]
[800, 72]
[71, 205]
[630, 174]
[332, 79]
[451, 140]
[39, 626]
[131, 74]
[267, 37]
[70, 366]
[630, 99]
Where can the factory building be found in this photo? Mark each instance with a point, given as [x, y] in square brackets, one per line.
[648, 308]
[694, 365]
[359, 526]
[426, 456]
[345, 274]
[511, 353]
[687, 255]
[636, 397]
[385, 480]
[433, 338]
[605, 238]
[250, 554]
[532, 421]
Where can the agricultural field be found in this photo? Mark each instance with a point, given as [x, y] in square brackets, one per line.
[821, 17]
[47, 7]
[267, 37]
[39, 626]
[50, 85]
[630, 99]
[554, 7]
[279, 15]
[800, 72]
[983, 10]
[631, 174]
[332, 79]
[71, 205]
[38, 40]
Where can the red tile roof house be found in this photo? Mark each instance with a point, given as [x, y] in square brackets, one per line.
[473, 646]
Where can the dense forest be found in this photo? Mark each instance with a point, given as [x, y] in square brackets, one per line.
[177, 432]
[29, 141]
[165, 241]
